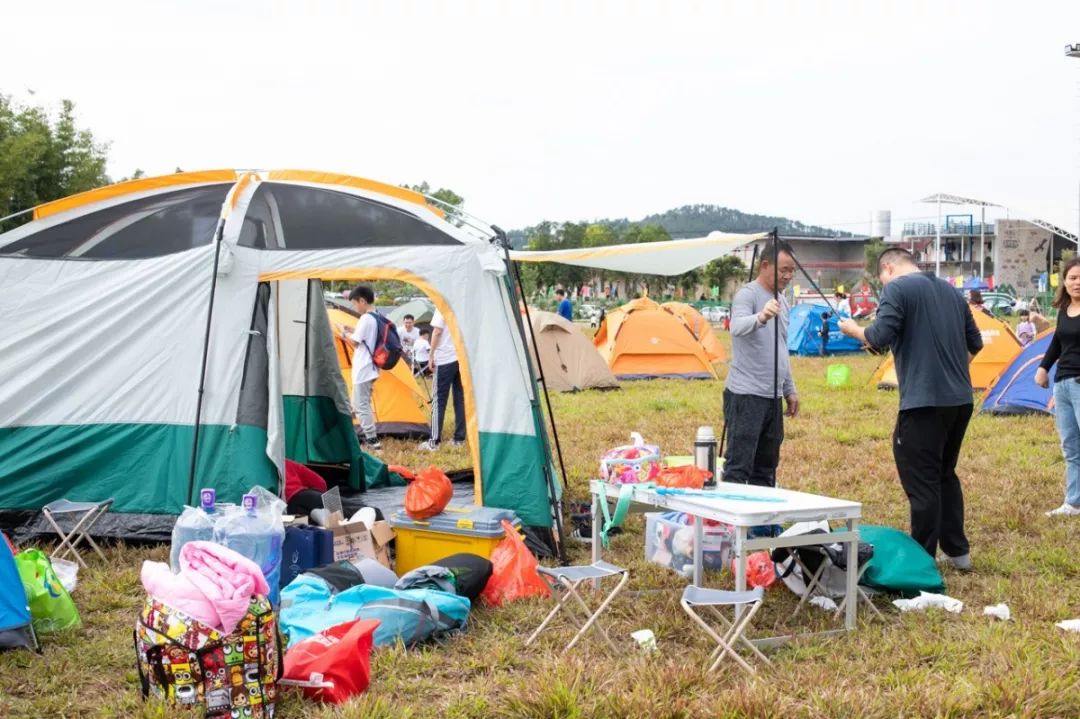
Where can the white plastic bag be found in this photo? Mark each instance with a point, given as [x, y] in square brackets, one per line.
[67, 572]
[925, 600]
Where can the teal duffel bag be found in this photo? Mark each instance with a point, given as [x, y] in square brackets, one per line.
[899, 564]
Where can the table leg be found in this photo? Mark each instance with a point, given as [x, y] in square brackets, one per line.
[699, 540]
[597, 517]
[852, 575]
[740, 567]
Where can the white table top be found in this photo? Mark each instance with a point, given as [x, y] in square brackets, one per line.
[741, 505]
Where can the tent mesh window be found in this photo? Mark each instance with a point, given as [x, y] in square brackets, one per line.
[153, 226]
[295, 217]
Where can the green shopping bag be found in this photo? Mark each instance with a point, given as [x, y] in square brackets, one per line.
[899, 564]
[51, 607]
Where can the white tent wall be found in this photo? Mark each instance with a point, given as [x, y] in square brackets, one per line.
[107, 356]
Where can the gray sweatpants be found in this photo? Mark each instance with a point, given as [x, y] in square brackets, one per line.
[361, 401]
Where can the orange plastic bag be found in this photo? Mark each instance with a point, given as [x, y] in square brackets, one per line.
[428, 493]
[513, 574]
[760, 570]
[685, 477]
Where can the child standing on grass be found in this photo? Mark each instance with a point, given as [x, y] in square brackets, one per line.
[1025, 331]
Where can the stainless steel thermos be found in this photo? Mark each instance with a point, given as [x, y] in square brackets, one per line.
[705, 452]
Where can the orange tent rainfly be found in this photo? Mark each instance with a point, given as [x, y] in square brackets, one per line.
[1000, 345]
[642, 341]
[699, 327]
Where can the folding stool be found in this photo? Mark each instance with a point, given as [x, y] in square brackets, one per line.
[835, 556]
[567, 580]
[86, 514]
[734, 631]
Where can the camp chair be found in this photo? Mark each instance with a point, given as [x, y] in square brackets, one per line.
[695, 597]
[826, 556]
[566, 580]
[84, 515]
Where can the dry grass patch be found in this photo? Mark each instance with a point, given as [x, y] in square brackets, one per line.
[920, 665]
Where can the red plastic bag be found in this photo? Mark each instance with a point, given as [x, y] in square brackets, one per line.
[333, 665]
[760, 570]
[684, 477]
[428, 494]
[513, 574]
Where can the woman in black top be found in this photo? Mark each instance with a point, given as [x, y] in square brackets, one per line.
[1065, 351]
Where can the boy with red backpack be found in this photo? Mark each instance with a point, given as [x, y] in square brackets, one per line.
[364, 369]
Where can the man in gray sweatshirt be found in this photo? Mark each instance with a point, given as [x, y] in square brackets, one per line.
[752, 409]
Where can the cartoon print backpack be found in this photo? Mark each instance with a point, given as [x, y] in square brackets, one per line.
[387, 350]
[189, 664]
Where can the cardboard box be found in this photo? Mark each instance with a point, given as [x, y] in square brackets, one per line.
[353, 540]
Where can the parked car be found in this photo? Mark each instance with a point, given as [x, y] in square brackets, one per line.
[715, 313]
[999, 303]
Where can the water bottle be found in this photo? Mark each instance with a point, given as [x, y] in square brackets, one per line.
[194, 524]
[257, 537]
[705, 453]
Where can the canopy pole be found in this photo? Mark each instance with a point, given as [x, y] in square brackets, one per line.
[218, 234]
[518, 295]
[776, 328]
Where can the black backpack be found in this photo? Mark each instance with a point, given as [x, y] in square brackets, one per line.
[471, 573]
[387, 350]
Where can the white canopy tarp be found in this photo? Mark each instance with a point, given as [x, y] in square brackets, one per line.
[673, 257]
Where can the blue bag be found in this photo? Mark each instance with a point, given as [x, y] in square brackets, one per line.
[411, 616]
[305, 547]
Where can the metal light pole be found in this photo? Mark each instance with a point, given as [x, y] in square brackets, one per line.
[1074, 51]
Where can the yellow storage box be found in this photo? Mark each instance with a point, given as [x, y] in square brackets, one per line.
[472, 529]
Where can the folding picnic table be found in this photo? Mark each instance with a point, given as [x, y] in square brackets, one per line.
[744, 506]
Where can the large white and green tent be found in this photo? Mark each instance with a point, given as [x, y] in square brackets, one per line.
[136, 313]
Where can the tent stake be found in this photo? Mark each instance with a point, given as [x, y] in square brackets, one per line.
[205, 355]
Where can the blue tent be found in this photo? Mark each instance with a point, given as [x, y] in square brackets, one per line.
[805, 333]
[15, 629]
[975, 283]
[1015, 391]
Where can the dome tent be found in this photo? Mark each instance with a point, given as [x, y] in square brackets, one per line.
[641, 341]
[568, 360]
[805, 336]
[191, 267]
[699, 327]
[1014, 391]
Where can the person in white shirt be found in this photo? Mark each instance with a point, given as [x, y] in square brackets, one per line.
[409, 334]
[421, 352]
[444, 364]
[364, 371]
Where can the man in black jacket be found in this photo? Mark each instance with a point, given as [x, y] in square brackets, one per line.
[929, 327]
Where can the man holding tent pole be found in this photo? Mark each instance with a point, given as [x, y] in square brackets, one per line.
[752, 416]
[933, 336]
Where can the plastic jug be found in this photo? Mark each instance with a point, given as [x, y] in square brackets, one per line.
[257, 536]
[193, 524]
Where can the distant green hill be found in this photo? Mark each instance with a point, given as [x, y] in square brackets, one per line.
[699, 220]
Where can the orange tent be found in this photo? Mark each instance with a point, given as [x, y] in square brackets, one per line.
[402, 407]
[699, 327]
[641, 341]
[1000, 345]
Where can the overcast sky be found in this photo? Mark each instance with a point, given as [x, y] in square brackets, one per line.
[820, 111]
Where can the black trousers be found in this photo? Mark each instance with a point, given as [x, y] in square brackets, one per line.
[926, 446]
[755, 430]
[447, 378]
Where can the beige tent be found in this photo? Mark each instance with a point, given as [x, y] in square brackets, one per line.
[569, 360]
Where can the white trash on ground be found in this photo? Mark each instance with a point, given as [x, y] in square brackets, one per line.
[1000, 611]
[645, 639]
[1069, 625]
[926, 600]
[67, 572]
[825, 603]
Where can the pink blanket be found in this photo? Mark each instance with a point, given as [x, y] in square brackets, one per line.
[214, 585]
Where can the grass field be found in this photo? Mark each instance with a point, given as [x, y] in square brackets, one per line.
[919, 665]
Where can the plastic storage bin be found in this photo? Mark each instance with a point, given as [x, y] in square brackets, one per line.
[476, 530]
[669, 541]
